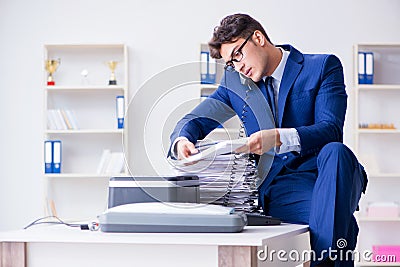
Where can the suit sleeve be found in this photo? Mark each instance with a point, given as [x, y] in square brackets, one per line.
[330, 110]
[207, 116]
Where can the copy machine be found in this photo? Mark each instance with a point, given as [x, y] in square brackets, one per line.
[171, 217]
[164, 204]
[125, 190]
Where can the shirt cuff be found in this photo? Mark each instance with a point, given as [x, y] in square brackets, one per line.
[173, 147]
[290, 140]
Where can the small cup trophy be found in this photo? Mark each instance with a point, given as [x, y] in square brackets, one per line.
[84, 74]
[51, 66]
[112, 65]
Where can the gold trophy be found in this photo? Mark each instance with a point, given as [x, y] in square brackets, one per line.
[51, 66]
[112, 65]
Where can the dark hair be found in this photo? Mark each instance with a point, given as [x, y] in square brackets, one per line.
[230, 29]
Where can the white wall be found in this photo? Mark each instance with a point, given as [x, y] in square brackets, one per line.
[160, 34]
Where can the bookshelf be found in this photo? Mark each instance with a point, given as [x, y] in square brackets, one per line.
[214, 70]
[377, 142]
[80, 110]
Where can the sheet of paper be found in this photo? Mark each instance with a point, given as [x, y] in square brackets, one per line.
[220, 148]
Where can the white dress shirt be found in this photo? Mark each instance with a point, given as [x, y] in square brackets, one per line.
[289, 136]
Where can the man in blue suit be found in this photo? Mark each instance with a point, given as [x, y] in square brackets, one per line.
[293, 104]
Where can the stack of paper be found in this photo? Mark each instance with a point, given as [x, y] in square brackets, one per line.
[225, 178]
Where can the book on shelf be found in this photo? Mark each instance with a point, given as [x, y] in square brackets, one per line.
[111, 162]
[61, 119]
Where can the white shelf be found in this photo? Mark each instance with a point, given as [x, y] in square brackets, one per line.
[84, 175]
[93, 137]
[86, 88]
[378, 87]
[384, 175]
[86, 131]
[378, 131]
[378, 219]
[378, 148]
[83, 45]
[208, 86]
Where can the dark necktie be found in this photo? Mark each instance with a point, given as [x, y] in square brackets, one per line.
[271, 97]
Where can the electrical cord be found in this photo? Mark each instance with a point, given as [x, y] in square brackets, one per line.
[93, 226]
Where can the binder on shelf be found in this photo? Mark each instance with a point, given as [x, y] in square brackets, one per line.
[212, 68]
[48, 156]
[52, 156]
[120, 111]
[56, 156]
[203, 66]
[207, 68]
[369, 67]
[361, 67]
[365, 67]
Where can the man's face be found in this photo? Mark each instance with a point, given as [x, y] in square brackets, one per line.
[252, 57]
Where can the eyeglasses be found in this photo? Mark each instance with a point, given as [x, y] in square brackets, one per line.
[236, 56]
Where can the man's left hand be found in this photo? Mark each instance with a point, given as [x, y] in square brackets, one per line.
[261, 142]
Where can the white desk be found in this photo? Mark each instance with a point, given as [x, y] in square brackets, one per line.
[59, 245]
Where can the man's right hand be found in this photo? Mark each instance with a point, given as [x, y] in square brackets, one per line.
[185, 148]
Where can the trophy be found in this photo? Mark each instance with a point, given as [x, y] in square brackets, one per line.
[112, 65]
[51, 66]
[84, 74]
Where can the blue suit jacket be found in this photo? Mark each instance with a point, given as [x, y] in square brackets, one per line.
[312, 99]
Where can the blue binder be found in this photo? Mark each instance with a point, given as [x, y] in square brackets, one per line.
[365, 67]
[48, 157]
[120, 103]
[212, 69]
[361, 67]
[369, 67]
[207, 68]
[56, 156]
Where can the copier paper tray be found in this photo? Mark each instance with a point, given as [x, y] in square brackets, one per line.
[162, 217]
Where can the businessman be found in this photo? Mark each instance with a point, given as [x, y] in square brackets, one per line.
[293, 104]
